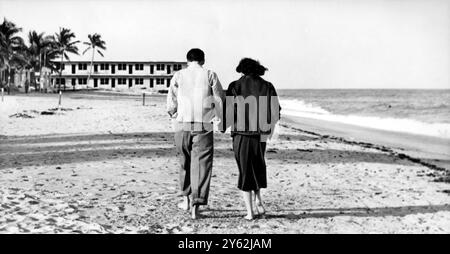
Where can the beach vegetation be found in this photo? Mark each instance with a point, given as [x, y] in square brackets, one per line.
[95, 44]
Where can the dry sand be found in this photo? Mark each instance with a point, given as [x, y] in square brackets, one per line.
[109, 166]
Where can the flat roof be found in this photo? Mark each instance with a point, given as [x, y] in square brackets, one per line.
[112, 76]
[110, 61]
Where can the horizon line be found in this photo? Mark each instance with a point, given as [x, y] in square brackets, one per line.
[351, 88]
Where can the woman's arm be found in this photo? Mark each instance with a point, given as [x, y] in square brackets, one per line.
[228, 109]
[172, 100]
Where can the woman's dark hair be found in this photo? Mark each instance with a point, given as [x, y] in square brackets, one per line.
[195, 55]
[248, 66]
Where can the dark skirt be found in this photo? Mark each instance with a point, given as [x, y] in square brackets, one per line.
[249, 153]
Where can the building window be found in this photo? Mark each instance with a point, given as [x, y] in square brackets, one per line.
[151, 82]
[104, 66]
[104, 81]
[168, 82]
[122, 67]
[160, 67]
[139, 67]
[122, 81]
[58, 65]
[82, 81]
[177, 67]
[82, 66]
[62, 81]
[160, 81]
[139, 81]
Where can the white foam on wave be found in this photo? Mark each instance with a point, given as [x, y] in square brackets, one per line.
[301, 109]
[302, 106]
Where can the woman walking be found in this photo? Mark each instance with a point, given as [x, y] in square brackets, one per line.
[252, 112]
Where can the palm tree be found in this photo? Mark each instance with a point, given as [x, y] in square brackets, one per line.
[25, 64]
[64, 45]
[39, 46]
[50, 53]
[95, 43]
[11, 50]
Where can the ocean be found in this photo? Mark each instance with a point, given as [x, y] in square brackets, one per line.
[423, 112]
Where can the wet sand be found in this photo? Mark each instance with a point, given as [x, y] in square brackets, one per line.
[427, 148]
[108, 165]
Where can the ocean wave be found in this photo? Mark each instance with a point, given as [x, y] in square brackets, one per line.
[302, 106]
[302, 109]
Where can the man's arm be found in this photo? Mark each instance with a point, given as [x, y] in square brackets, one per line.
[172, 102]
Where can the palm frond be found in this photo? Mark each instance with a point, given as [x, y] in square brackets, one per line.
[72, 49]
[86, 50]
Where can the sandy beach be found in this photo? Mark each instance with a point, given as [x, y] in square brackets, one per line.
[106, 164]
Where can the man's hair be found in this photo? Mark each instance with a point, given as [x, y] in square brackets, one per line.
[195, 55]
[248, 66]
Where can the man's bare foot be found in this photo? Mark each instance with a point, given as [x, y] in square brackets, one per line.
[249, 217]
[194, 212]
[184, 205]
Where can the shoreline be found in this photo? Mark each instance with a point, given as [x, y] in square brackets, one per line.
[429, 151]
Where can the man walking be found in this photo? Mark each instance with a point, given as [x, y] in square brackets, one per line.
[195, 97]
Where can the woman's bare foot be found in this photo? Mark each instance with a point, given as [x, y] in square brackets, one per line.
[247, 195]
[260, 210]
[258, 203]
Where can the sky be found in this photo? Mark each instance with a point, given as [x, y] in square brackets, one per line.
[305, 44]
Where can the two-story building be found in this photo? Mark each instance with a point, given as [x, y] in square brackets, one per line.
[117, 74]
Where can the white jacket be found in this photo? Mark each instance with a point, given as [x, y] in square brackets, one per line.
[195, 95]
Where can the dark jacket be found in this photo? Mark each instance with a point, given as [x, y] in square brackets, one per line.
[260, 117]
